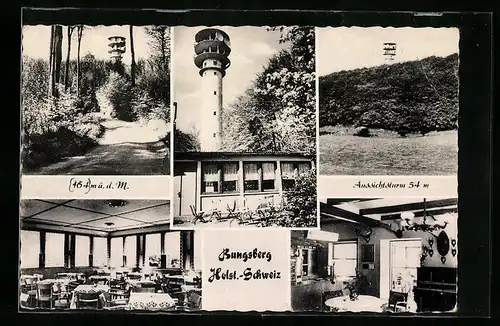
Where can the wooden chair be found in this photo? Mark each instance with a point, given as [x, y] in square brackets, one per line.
[197, 215]
[85, 300]
[398, 302]
[63, 297]
[192, 302]
[329, 295]
[45, 294]
[114, 300]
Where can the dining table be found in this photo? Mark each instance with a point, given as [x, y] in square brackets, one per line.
[151, 301]
[363, 303]
[87, 288]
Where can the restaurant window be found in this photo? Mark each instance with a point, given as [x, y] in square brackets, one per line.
[130, 251]
[290, 171]
[153, 250]
[100, 257]
[197, 250]
[345, 259]
[117, 252]
[305, 262]
[30, 249]
[259, 176]
[173, 249]
[219, 177]
[54, 250]
[82, 250]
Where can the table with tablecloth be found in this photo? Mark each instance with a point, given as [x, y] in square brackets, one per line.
[87, 288]
[150, 301]
[364, 303]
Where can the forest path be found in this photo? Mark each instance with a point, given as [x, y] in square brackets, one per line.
[126, 148]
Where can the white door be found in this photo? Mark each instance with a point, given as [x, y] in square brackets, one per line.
[404, 261]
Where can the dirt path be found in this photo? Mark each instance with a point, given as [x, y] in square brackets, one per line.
[126, 148]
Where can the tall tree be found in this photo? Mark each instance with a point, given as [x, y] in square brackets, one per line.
[79, 30]
[66, 72]
[159, 42]
[55, 58]
[132, 53]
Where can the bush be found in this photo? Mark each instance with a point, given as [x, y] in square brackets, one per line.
[118, 92]
[300, 203]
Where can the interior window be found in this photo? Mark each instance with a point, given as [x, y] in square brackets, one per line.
[82, 250]
[173, 249]
[30, 249]
[345, 259]
[251, 176]
[230, 177]
[210, 173]
[54, 250]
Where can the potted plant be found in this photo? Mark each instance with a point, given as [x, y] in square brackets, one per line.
[358, 284]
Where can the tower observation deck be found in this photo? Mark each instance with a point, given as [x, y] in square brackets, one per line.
[212, 48]
[117, 47]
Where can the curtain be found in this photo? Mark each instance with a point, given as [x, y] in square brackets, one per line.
[268, 171]
[287, 171]
[304, 167]
[210, 172]
[54, 250]
[251, 171]
[30, 249]
[82, 250]
[230, 171]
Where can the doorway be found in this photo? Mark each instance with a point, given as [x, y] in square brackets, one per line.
[184, 187]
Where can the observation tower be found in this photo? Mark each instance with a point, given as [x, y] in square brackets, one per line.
[117, 47]
[212, 48]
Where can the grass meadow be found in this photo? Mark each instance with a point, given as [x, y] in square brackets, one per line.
[386, 153]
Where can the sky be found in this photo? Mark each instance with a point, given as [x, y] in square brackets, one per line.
[36, 41]
[251, 48]
[347, 48]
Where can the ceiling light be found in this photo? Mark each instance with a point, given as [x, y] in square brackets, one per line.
[116, 203]
[109, 224]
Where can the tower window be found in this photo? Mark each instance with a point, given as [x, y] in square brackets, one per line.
[215, 92]
[204, 64]
[215, 62]
[215, 134]
[215, 73]
[215, 112]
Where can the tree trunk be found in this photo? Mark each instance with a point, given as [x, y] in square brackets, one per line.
[51, 61]
[66, 72]
[55, 58]
[79, 34]
[58, 56]
[132, 52]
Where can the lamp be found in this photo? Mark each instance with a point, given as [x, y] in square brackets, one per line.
[412, 225]
[116, 203]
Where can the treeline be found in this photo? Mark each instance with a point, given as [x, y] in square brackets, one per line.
[416, 96]
[277, 113]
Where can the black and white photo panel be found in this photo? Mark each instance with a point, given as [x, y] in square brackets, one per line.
[245, 127]
[95, 100]
[388, 100]
[106, 255]
[378, 255]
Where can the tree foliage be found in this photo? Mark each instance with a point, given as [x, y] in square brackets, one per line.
[278, 112]
[417, 96]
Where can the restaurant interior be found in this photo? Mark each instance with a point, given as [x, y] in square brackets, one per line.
[106, 255]
[378, 255]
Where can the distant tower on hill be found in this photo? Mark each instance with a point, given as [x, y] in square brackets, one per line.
[389, 51]
[117, 47]
[212, 47]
